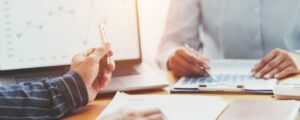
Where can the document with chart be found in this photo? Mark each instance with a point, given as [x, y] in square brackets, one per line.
[39, 33]
[227, 76]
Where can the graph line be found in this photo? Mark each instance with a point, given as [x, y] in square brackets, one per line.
[60, 9]
[50, 15]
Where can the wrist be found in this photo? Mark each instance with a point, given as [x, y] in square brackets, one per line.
[84, 83]
[76, 87]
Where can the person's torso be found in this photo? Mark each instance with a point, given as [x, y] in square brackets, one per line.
[251, 28]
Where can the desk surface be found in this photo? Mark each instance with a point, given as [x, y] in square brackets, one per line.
[93, 109]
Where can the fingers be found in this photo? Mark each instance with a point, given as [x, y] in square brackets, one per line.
[106, 69]
[78, 58]
[150, 112]
[112, 64]
[272, 73]
[192, 59]
[284, 65]
[277, 64]
[265, 61]
[99, 53]
[182, 63]
[104, 79]
[288, 71]
[88, 52]
[110, 53]
[155, 117]
[183, 68]
[176, 67]
[130, 114]
[189, 69]
[268, 67]
[281, 67]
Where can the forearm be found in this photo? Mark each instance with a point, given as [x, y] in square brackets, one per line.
[47, 99]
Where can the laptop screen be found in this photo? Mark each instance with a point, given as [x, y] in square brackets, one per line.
[49, 33]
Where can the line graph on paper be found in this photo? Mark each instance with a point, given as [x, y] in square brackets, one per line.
[49, 32]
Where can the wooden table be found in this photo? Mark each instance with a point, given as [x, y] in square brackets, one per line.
[93, 109]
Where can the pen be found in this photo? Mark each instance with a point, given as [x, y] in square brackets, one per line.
[103, 38]
[193, 51]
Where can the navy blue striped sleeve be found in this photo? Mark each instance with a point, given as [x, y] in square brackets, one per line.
[47, 99]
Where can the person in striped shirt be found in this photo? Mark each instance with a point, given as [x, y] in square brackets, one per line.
[54, 98]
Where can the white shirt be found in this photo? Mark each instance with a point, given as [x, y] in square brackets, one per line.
[236, 29]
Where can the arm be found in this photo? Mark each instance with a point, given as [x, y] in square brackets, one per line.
[47, 99]
[182, 27]
[54, 98]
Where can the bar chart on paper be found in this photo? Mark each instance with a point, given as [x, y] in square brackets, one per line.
[37, 33]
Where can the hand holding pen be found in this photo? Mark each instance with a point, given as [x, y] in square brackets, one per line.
[107, 65]
[198, 55]
[185, 62]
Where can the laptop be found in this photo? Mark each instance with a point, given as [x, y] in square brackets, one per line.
[27, 61]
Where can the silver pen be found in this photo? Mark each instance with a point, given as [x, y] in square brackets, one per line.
[103, 38]
[196, 53]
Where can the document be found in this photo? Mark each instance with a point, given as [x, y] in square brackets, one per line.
[228, 76]
[174, 107]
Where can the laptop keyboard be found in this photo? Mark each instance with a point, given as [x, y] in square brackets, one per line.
[125, 72]
[220, 78]
[38, 76]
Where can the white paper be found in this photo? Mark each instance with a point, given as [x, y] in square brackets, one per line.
[174, 107]
[242, 67]
[290, 87]
[232, 66]
[233, 70]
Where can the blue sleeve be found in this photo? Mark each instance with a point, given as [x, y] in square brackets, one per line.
[47, 99]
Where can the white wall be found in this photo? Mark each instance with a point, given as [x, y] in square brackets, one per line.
[153, 14]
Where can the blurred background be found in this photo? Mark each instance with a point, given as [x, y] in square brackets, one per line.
[32, 24]
[153, 15]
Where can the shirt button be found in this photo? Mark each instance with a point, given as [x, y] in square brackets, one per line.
[256, 10]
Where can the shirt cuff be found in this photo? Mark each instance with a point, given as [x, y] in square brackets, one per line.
[75, 90]
[163, 58]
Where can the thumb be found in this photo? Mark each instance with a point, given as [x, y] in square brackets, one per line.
[99, 53]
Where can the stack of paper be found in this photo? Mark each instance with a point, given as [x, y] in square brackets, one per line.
[174, 107]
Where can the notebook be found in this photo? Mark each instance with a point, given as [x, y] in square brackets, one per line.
[261, 110]
[227, 76]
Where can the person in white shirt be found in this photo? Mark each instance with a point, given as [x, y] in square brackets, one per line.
[234, 29]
